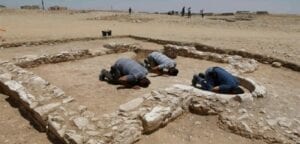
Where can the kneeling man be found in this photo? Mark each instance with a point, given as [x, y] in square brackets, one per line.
[216, 79]
[158, 62]
[126, 72]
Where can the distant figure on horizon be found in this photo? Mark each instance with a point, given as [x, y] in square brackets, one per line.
[202, 13]
[130, 10]
[183, 11]
[189, 12]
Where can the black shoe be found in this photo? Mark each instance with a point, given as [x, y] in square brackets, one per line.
[194, 82]
[102, 75]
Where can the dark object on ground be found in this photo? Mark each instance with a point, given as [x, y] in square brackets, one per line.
[262, 12]
[106, 33]
[227, 14]
[243, 12]
[30, 7]
[56, 8]
[208, 14]
[2, 6]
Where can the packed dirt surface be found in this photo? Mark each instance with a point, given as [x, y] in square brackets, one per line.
[274, 35]
[194, 129]
[80, 80]
[15, 129]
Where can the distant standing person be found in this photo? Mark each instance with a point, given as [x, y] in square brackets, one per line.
[183, 11]
[202, 13]
[189, 12]
[130, 10]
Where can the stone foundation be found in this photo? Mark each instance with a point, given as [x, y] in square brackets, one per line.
[48, 107]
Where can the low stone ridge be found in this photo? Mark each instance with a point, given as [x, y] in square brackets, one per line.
[55, 41]
[206, 48]
[30, 61]
[122, 47]
[237, 63]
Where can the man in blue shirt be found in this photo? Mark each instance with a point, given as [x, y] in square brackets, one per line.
[216, 79]
[159, 62]
[127, 72]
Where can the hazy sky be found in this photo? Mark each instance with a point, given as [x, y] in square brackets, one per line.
[275, 6]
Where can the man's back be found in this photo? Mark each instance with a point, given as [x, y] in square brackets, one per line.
[130, 67]
[217, 76]
[162, 60]
[225, 77]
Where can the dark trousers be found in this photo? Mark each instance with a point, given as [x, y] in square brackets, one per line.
[111, 76]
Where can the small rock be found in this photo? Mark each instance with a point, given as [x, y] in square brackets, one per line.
[272, 122]
[284, 122]
[262, 111]
[108, 135]
[197, 123]
[155, 117]
[131, 105]
[92, 141]
[82, 108]
[276, 64]
[67, 100]
[81, 122]
[74, 138]
[242, 111]
[247, 128]
[92, 133]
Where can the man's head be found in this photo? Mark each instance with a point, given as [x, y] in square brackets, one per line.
[173, 71]
[144, 82]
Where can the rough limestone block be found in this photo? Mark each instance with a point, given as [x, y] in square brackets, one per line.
[154, 119]
[74, 138]
[5, 77]
[131, 105]
[46, 109]
[81, 122]
[21, 91]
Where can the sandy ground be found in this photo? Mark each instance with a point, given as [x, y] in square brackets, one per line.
[274, 35]
[15, 129]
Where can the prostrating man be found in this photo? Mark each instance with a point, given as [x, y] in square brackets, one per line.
[216, 79]
[126, 72]
[159, 63]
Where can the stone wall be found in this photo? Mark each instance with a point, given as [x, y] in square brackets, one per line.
[30, 61]
[237, 63]
[49, 108]
[205, 48]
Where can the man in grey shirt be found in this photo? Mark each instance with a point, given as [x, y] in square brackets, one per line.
[127, 72]
[159, 62]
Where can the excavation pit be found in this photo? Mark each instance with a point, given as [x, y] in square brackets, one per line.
[79, 78]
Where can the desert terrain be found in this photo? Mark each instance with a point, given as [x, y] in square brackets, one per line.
[269, 35]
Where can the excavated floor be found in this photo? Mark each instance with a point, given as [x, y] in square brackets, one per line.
[80, 80]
